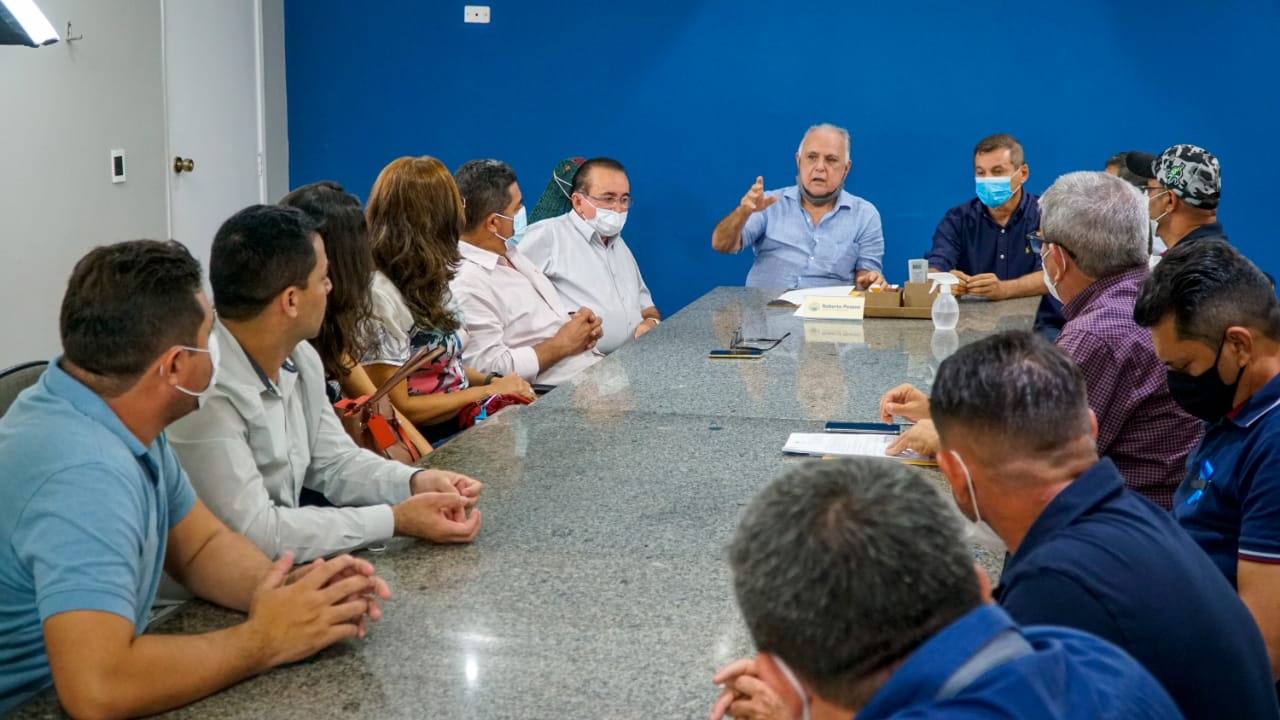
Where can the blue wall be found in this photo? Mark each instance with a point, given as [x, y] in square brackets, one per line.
[697, 98]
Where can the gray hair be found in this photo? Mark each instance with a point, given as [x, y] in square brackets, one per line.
[848, 144]
[1100, 218]
[842, 568]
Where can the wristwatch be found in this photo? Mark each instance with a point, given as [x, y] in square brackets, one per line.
[656, 322]
[488, 379]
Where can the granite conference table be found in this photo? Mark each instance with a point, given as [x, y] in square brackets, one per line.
[598, 586]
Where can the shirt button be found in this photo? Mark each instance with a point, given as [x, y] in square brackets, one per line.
[1001, 231]
[1001, 257]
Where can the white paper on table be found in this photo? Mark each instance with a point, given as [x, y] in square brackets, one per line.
[848, 445]
[796, 297]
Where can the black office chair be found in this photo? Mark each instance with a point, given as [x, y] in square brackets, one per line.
[16, 379]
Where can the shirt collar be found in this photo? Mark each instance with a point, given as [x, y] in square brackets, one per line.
[1212, 230]
[1101, 287]
[1092, 488]
[1258, 404]
[477, 255]
[845, 199]
[920, 678]
[238, 367]
[88, 402]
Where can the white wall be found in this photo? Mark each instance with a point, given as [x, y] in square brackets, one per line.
[64, 108]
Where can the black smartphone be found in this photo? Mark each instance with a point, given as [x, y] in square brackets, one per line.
[864, 428]
[736, 354]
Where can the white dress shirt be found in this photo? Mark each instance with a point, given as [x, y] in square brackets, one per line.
[587, 272]
[507, 308]
[254, 444]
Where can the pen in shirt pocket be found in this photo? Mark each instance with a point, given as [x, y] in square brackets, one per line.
[1201, 481]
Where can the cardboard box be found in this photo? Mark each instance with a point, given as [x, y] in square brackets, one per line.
[912, 301]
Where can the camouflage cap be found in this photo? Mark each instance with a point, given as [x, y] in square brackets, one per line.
[1191, 172]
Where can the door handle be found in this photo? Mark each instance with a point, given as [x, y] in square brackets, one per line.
[180, 165]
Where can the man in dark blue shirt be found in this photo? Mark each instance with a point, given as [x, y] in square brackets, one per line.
[983, 242]
[1215, 324]
[1087, 553]
[861, 598]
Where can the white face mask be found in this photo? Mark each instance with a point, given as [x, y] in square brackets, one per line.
[214, 356]
[606, 222]
[795, 684]
[1048, 282]
[1158, 246]
[978, 531]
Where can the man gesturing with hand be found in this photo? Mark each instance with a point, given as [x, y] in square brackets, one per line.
[813, 233]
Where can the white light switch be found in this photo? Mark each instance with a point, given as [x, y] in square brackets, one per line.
[117, 166]
[475, 14]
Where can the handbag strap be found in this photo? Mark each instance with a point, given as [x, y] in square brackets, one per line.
[417, 360]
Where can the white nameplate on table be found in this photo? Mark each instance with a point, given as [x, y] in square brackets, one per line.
[821, 307]
[849, 445]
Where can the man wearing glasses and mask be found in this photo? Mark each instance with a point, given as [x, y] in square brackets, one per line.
[1094, 250]
[813, 233]
[583, 254]
[1184, 185]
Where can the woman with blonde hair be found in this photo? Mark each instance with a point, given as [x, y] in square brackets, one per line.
[415, 217]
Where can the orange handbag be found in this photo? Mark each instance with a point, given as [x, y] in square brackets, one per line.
[371, 420]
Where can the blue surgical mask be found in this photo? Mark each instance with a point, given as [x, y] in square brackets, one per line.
[993, 191]
[518, 225]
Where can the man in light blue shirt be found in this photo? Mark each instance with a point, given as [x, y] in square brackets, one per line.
[813, 233]
[94, 505]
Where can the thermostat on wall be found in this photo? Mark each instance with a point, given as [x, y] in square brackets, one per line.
[117, 166]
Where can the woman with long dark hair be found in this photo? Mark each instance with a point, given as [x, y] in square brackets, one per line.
[344, 332]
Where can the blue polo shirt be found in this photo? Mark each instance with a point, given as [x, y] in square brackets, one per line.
[792, 253]
[1103, 559]
[970, 241]
[1065, 674]
[85, 510]
[1229, 501]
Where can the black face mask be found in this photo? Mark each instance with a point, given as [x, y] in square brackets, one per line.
[1205, 395]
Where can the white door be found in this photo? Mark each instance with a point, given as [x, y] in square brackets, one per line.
[213, 102]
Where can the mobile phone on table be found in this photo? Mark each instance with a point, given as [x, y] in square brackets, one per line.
[864, 428]
[736, 354]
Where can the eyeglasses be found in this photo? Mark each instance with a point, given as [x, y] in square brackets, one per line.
[609, 202]
[1036, 241]
[740, 343]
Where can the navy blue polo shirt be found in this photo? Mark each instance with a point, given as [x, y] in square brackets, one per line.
[1229, 501]
[970, 241]
[1063, 674]
[1105, 560]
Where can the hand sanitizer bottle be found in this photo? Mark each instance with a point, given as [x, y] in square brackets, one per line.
[946, 311]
